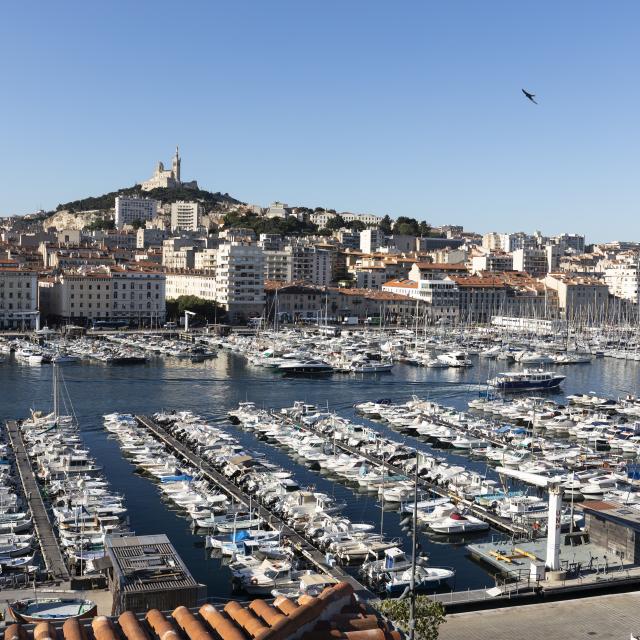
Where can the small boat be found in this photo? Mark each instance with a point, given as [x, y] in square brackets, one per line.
[425, 577]
[34, 610]
[457, 523]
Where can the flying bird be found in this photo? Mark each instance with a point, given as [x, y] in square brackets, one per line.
[531, 96]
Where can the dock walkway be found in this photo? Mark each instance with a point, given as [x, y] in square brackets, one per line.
[51, 553]
[301, 544]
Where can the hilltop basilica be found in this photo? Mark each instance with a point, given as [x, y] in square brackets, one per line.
[168, 178]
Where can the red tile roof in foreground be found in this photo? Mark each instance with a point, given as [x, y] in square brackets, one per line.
[334, 615]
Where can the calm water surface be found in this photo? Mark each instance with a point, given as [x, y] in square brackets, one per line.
[213, 387]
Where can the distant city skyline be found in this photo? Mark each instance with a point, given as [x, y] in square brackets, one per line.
[414, 109]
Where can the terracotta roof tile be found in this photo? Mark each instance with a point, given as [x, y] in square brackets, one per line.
[131, 627]
[73, 630]
[285, 605]
[245, 618]
[15, 632]
[161, 626]
[268, 613]
[222, 625]
[103, 628]
[335, 613]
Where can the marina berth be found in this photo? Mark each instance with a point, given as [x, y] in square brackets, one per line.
[261, 551]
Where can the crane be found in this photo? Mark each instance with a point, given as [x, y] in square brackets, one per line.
[554, 487]
[186, 319]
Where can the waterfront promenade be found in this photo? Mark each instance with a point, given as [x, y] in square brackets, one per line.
[609, 617]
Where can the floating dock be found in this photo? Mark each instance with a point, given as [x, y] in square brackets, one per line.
[299, 543]
[53, 559]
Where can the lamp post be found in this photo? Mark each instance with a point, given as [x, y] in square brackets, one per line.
[412, 610]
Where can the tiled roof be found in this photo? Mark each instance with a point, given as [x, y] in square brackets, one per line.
[441, 266]
[405, 284]
[334, 614]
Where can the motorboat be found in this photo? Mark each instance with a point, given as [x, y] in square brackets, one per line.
[455, 359]
[305, 367]
[458, 523]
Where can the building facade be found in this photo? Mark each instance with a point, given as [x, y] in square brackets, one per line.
[130, 209]
[185, 216]
[18, 297]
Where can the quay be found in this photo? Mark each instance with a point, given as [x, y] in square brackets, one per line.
[301, 544]
[606, 617]
[498, 522]
[53, 559]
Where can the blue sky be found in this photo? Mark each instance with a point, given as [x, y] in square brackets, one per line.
[407, 108]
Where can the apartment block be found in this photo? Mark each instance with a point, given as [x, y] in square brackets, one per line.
[130, 209]
[18, 296]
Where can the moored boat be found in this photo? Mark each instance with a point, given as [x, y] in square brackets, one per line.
[34, 610]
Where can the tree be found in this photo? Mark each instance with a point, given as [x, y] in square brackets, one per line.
[356, 225]
[137, 224]
[385, 225]
[406, 226]
[205, 309]
[424, 228]
[429, 615]
[101, 224]
[335, 223]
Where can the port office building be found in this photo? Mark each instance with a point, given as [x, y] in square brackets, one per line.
[614, 527]
[146, 572]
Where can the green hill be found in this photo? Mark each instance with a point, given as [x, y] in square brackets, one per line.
[107, 201]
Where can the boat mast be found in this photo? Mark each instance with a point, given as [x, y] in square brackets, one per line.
[55, 391]
[414, 543]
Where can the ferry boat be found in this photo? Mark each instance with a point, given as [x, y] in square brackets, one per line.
[526, 380]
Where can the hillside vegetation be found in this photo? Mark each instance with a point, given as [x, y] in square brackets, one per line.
[108, 200]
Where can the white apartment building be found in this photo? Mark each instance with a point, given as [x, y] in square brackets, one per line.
[371, 240]
[278, 210]
[366, 218]
[180, 258]
[322, 218]
[77, 296]
[185, 216]
[201, 285]
[531, 261]
[105, 293]
[573, 241]
[310, 264]
[150, 238]
[622, 279]
[240, 280]
[492, 241]
[439, 298]
[138, 295]
[278, 265]
[369, 277]
[129, 209]
[493, 261]
[18, 297]
[205, 260]
[578, 296]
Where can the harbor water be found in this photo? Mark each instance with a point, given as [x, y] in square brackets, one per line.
[213, 387]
